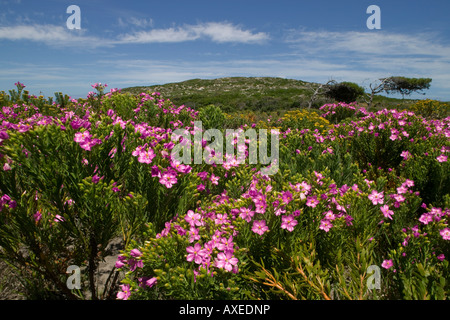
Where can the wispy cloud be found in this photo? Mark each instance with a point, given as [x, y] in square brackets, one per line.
[51, 35]
[369, 43]
[215, 31]
[135, 21]
[158, 35]
[227, 32]
[219, 32]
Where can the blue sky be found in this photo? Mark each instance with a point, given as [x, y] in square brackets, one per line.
[134, 43]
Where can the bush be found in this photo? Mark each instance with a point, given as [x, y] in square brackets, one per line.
[303, 119]
[431, 109]
[344, 92]
[339, 112]
[211, 117]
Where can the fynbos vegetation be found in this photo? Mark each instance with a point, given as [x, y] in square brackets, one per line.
[359, 207]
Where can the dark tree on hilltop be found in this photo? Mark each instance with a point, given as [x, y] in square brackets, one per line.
[406, 86]
[402, 85]
[344, 91]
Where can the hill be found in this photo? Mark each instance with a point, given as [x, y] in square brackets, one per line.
[246, 93]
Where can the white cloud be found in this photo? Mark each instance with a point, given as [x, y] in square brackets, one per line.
[369, 43]
[143, 23]
[51, 35]
[59, 35]
[216, 31]
[137, 22]
[159, 35]
[226, 32]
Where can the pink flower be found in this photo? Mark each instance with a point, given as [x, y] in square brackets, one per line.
[37, 216]
[146, 156]
[194, 219]
[226, 260]
[225, 244]
[329, 215]
[181, 167]
[259, 227]
[405, 155]
[138, 150]
[193, 234]
[260, 207]
[246, 214]
[203, 175]
[376, 197]
[288, 222]
[95, 178]
[445, 233]
[221, 218]
[426, 218]
[156, 172]
[135, 253]
[147, 282]
[399, 197]
[81, 137]
[133, 263]
[441, 257]
[125, 293]
[436, 212]
[119, 264]
[194, 253]
[402, 189]
[207, 250]
[348, 220]
[280, 210]
[387, 264]
[259, 197]
[304, 187]
[89, 143]
[19, 85]
[409, 183]
[442, 158]
[59, 218]
[325, 225]
[214, 179]
[287, 197]
[386, 212]
[312, 201]
[168, 179]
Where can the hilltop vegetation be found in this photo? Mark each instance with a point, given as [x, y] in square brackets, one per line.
[249, 93]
